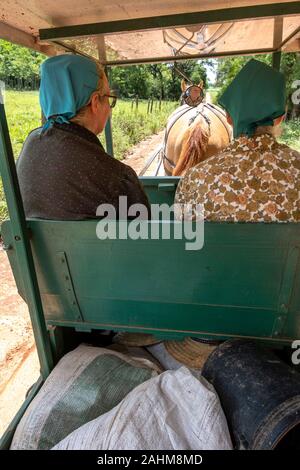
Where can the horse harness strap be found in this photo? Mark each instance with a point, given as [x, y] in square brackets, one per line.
[199, 112]
[175, 119]
[178, 116]
[217, 113]
[213, 110]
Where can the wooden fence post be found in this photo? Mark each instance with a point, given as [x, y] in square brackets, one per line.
[151, 106]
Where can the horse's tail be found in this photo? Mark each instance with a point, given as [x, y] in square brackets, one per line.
[194, 147]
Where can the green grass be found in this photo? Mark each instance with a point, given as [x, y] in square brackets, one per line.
[23, 115]
[131, 125]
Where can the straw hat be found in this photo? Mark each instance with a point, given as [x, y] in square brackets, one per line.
[135, 339]
[190, 352]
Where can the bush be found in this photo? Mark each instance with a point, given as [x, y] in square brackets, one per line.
[291, 134]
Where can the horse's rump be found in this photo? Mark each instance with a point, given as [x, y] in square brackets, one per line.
[195, 142]
[192, 135]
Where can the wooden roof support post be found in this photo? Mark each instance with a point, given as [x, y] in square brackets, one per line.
[100, 41]
[277, 40]
[108, 127]
[16, 36]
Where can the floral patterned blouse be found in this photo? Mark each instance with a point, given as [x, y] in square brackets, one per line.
[254, 179]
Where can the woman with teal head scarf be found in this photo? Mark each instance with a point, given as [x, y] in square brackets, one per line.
[68, 84]
[64, 172]
[255, 98]
[255, 178]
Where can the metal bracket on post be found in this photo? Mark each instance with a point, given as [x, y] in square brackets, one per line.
[67, 283]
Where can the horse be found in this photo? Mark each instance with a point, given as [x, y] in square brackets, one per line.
[193, 133]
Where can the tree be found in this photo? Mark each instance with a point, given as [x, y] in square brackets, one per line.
[131, 81]
[229, 68]
[155, 80]
[19, 63]
[291, 69]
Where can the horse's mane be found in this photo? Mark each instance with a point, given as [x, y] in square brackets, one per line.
[195, 142]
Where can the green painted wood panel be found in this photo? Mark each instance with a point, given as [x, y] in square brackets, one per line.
[244, 282]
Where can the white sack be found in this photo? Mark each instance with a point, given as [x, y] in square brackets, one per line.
[174, 411]
[85, 384]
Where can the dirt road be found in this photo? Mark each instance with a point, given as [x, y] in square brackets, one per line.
[138, 155]
[19, 367]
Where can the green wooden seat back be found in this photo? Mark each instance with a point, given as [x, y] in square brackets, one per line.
[244, 282]
[160, 190]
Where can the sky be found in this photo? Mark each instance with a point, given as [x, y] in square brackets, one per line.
[211, 72]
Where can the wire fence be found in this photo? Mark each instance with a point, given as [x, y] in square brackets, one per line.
[153, 104]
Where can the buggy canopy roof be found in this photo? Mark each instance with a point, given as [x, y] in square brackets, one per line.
[127, 31]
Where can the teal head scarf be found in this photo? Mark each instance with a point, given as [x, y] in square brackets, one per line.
[67, 82]
[254, 98]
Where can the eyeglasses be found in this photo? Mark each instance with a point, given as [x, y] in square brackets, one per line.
[112, 99]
